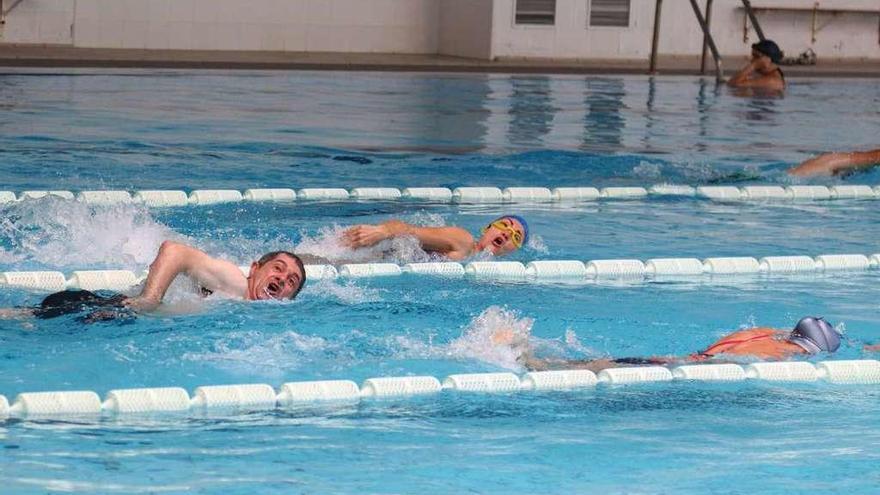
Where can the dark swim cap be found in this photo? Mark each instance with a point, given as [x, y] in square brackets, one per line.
[815, 335]
[769, 48]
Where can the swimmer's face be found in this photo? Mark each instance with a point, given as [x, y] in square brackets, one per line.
[278, 278]
[763, 61]
[498, 237]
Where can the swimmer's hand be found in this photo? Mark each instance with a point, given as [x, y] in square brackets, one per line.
[141, 304]
[370, 235]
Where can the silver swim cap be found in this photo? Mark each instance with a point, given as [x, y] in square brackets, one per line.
[815, 335]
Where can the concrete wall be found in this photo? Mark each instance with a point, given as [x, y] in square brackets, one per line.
[466, 28]
[392, 26]
[840, 36]
[38, 21]
[469, 28]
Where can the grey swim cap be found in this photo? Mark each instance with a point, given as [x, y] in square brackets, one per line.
[815, 335]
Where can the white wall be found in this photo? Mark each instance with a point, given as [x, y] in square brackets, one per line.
[466, 28]
[38, 21]
[469, 28]
[842, 36]
[390, 26]
[396, 26]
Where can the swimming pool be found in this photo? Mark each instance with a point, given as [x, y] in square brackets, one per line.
[186, 130]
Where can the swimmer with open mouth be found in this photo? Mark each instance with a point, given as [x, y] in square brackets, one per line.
[502, 236]
[278, 275]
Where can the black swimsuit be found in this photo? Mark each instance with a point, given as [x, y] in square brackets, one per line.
[76, 301]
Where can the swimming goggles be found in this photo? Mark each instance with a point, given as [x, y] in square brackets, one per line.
[506, 226]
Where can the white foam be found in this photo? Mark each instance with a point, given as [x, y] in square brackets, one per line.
[497, 336]
[71, 233]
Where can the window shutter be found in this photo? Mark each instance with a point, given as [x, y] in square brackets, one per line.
[536, 12]
[609, 13]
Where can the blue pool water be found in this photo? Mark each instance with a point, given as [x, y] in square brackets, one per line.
[186, 130]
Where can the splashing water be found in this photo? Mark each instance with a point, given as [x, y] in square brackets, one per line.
[61, 233]
[497, 336]
[327, 244]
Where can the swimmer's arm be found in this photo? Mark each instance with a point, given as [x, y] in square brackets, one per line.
[836, 163]
[447, 240]
[175, 258]
[742, 77]
[873, 348]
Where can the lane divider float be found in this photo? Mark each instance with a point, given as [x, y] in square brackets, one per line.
[541, 271]
[464, 195]
[263, 397]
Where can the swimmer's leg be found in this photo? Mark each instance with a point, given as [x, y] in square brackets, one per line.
[16, 313]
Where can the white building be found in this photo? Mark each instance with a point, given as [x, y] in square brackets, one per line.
[484, 29]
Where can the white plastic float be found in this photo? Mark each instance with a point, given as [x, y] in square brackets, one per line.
[731, 266]
[527, 195]
[720, 193]
[440, 269]
[42, 194]
[320, 272]
[640, 374]
[104, 197]
[572, 194]
[764, 193]
[558, 380]
[401, 386]
[142, 400]
[483, 382]
[623, 192]
[829, 262]
[865, 371]
[269, 195]
[75, 403]
[202, 197]
[477, 195]
[117, 280]
[503, 271]
[322, 194]
[49, 281]
[787, 264]
[317, 391]
[257, 396]
[363, 270]
[786, 371]
[672, 190]
[808, 193]
[673, 267]
[622, 269]
[551, 270]
[427, 194]
[852, 192]
[709, 372]
[155, 198]
[375, 193]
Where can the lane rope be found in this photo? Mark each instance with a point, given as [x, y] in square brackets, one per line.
[260, 396]
[541, 271]
[464, 195]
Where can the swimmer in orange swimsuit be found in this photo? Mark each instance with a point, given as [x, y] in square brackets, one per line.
[810, 336]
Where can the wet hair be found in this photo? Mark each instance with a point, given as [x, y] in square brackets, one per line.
[302, 268]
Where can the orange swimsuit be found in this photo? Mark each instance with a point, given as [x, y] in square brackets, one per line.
[762, 343]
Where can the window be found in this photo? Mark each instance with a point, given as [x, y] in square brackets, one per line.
[609, 13]
[536, 11]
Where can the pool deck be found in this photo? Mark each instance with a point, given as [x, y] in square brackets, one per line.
[14, 55]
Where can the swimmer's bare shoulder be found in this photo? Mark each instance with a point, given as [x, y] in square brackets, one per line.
[174, 258]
